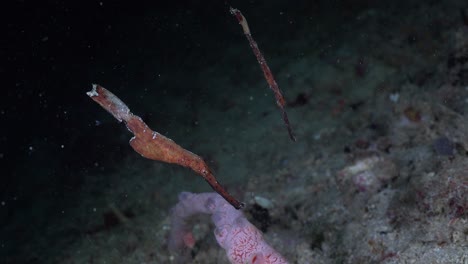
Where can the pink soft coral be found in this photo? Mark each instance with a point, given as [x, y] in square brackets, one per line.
[242, 241]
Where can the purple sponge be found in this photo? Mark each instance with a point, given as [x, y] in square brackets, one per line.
[242, 241]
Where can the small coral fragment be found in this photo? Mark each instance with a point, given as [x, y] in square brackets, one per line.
[369, 174]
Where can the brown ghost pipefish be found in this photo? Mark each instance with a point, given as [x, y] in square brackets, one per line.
[152, 145]
[266, 70]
